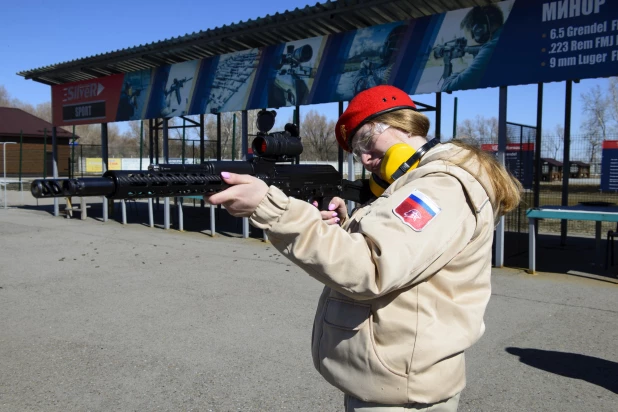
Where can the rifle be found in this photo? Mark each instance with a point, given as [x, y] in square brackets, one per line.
[453, 49]
[307, 182]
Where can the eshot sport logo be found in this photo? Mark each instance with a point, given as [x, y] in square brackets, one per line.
[81, 92]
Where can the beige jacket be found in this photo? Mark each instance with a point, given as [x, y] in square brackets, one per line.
[400, 305]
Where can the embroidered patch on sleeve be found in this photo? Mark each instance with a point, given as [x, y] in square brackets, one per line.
[417, 210]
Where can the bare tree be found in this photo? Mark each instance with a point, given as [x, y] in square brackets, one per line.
[613, 101]
[486, 129]
[227, 137]
[553, 142]
[5, 98]
[318, 137]
[467, 130]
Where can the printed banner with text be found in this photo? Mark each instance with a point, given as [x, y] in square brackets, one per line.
[508, 43]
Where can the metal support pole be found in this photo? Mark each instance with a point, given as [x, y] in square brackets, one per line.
[438, 127]
[83, 208]
[141, 142]
[166, 159]
[151, 140]
[183, 140]
[245, 227]
[352, 177]
[501, 158]
[455, 120]
[566, 161]
[245, 134]
[72, 168]
[105, 164]
[55, 165]
[212, 221]
[123, 206]
[150, 213]
[297, 123]
[234, 138]
[201, 138]
[156, 142]
[339, 149]
[166, 146]
[537, 147]
[531, 245]
[218, 136]
[45, 153]
[181, 225]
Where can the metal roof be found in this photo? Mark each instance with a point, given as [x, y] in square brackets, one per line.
[14, 122]
[311, 21]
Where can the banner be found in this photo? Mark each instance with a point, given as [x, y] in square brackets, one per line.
[609, 165]
[94, 165]
[512, 42]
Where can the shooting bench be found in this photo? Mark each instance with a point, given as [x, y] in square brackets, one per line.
[596, 213]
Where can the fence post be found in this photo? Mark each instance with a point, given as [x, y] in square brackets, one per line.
[45, 153]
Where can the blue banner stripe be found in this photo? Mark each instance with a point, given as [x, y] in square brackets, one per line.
[423, 204]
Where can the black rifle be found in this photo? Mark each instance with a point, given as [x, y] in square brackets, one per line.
[306, 182]
[453, 49]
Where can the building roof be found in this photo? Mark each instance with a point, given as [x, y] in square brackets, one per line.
[311, 21]
[552, 162]
[13, 121]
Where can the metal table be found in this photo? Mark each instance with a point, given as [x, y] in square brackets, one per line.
[578, 212]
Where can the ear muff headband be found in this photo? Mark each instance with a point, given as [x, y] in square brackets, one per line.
[405, 166]
[379, 183]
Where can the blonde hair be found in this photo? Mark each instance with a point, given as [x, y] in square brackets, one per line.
[507, 189]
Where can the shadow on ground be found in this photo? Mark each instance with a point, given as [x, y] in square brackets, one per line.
[596, 371]
[195, 217]
[578, 257]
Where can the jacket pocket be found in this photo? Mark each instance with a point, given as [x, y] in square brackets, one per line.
[347, 356]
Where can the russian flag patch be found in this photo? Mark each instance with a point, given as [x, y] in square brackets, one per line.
[417, 210]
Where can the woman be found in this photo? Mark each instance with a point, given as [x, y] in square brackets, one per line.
[407, 275]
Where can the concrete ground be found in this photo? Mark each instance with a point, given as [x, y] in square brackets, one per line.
[108, 317]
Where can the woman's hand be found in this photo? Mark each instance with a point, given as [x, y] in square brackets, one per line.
[337, 211]
[243, 197]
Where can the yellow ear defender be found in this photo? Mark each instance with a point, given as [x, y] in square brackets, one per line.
[398, 160]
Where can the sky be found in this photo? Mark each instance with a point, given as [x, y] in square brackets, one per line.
[37, 33]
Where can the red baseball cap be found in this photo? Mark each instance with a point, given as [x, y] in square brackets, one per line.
[367, 105]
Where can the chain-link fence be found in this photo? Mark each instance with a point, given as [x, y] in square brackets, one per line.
[584, 176]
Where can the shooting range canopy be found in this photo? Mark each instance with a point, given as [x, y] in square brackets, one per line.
[331, 52]
[311, 21]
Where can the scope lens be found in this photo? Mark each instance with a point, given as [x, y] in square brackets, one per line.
[277, 144]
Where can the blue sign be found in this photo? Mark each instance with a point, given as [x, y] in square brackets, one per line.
[609, 165]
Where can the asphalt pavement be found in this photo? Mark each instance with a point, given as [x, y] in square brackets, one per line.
[100, 316]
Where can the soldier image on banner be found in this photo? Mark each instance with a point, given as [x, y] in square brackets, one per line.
[370, 59]
[134, 94]
[232, 81]
[463, 48]
[179, 89]
[293, 71]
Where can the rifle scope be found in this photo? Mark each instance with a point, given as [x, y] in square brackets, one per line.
[303, 54]
[277, 144]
